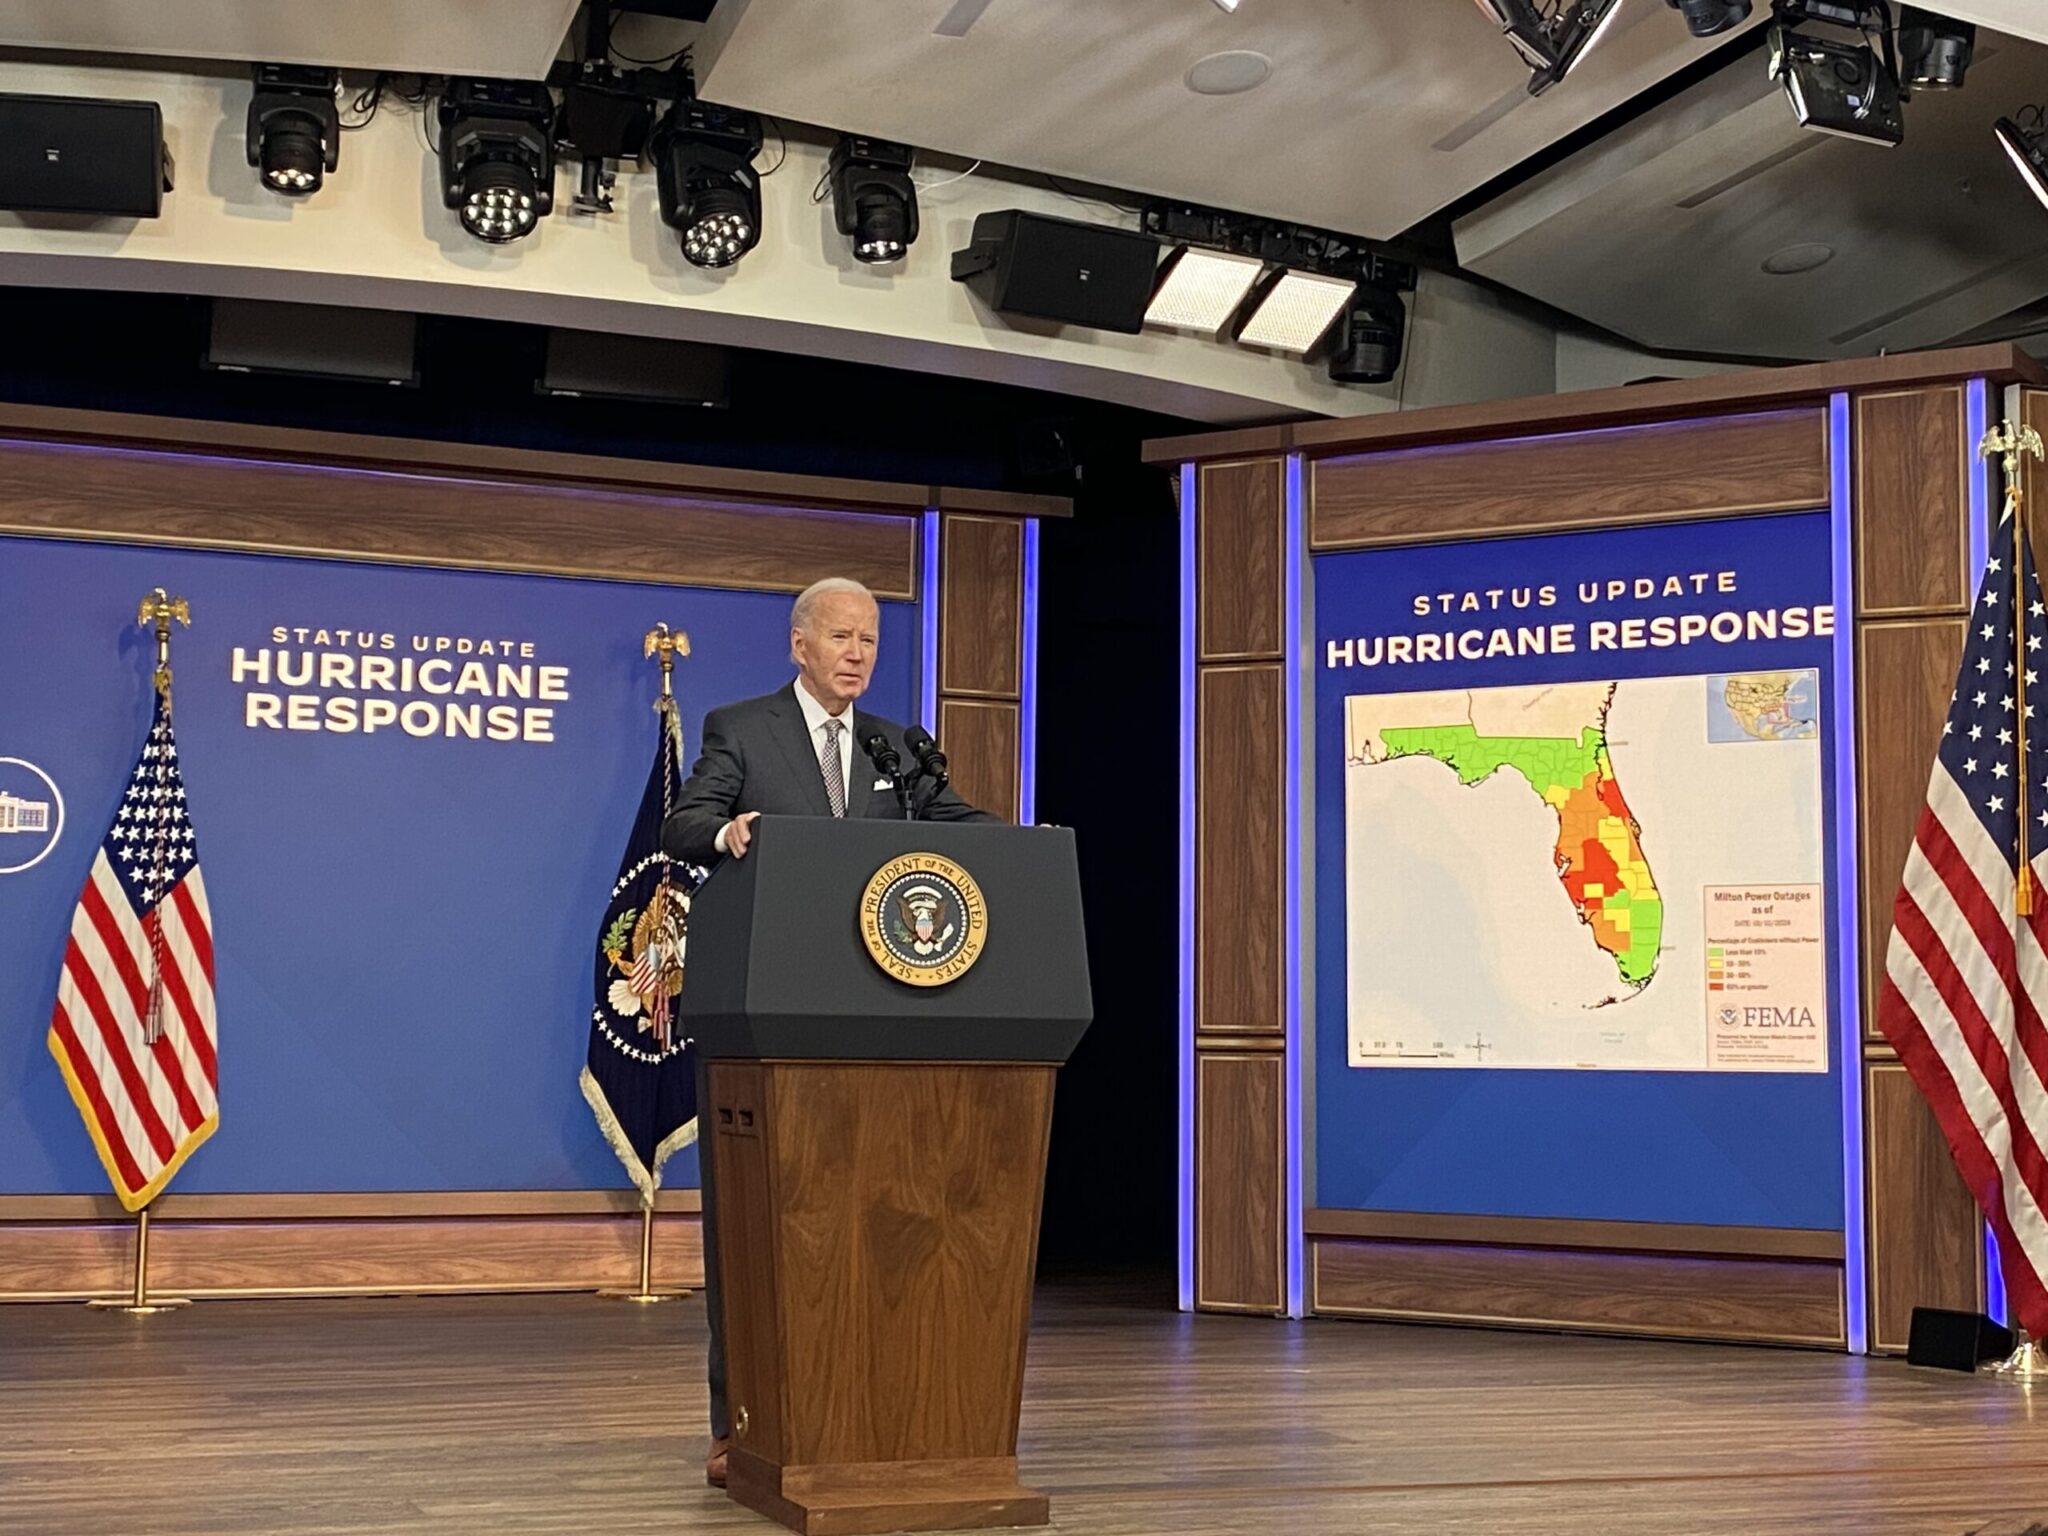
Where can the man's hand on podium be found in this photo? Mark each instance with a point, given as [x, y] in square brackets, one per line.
[734, 836]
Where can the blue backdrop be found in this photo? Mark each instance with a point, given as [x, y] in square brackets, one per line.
[404, 924]
[1723, 1148]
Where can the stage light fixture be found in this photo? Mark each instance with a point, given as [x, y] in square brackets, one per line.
[1553, 39]
[1200, 290]
[1291, 312]
[1934, 52]
[1710, 18]
[294, 127]
[2025, 137]
[704, 170]
[498, 156]
[874, 202]
[1368, 348]
[1837, 87]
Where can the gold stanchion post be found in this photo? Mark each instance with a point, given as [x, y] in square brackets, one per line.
[2028, 1363]
[140, 1303]
[157, 610]
[664, 645]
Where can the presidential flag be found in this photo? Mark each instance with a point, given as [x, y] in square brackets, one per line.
[133, 1031]
[1966, 974]
[640, 1075]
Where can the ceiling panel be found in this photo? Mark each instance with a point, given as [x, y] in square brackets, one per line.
[1375, 113]
[514, 38]
[1660, 231]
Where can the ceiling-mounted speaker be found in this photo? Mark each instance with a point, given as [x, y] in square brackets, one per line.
[1060, 269]
[69, 154]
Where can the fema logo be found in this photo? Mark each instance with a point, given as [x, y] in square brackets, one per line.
[31, 815]
[923, 919]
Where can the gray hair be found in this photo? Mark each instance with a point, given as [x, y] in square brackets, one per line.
[807, 600]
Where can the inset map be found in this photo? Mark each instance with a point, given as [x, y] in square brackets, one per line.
[1763, 706]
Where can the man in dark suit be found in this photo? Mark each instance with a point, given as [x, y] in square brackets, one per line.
[797, 752]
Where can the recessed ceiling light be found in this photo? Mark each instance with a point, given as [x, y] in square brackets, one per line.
[1200, 290]
[1228, 73]
[1295, 312]
[1803, 257]
[1226, 5]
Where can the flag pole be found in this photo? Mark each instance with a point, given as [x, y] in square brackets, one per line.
[2028, 1363]
[156, 611]
[139, 1303]
[664, 645]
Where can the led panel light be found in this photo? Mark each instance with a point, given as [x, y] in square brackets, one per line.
[1295, 312]
[1200, 290]
[2029, 152]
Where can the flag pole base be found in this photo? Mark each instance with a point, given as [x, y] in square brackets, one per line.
[2027, 1365]
[644, 1293]
[149, 1308]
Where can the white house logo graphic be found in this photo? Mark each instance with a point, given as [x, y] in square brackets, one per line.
[31, 815]
[23, 815]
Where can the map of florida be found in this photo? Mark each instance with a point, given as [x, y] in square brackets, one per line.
[1555, 739]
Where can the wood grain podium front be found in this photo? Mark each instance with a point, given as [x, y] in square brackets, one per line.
[879, 1166]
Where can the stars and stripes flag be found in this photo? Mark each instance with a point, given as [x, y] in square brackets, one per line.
[1966, 974]
[133, 1030]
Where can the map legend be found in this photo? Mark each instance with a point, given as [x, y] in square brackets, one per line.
[1766, 978]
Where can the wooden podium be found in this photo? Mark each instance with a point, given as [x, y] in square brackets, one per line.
[879, 1164]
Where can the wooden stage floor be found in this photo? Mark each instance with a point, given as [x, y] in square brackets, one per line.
[513, 1416]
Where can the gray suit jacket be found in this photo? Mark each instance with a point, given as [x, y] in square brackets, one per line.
[757, 756]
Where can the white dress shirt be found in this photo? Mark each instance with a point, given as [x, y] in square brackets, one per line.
[815, 716]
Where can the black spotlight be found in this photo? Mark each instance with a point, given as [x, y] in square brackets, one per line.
[1710, 18]
[873, 201]
[2025, 137]
[1837, 87]
[1934, 52]
[710, 192]
[1368, 349]
[294, 127]
[498, 156]
[1552, 39]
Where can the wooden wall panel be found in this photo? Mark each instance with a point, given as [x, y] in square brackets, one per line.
[1240, 855]
[1905, 673]
[1240, 1162]
[1240, 561]
[274, 508]
[52, 1261]
[1561, 1232]
[1773, 462]
[981, 613]
[982, 738]
[1657, 1295]
[415, 1203]
[1926, 1244]
[1912, 501]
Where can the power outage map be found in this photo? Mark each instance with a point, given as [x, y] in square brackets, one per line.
[1528, 873]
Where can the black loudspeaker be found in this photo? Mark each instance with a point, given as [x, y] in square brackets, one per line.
[1060, 269]
[1956, 1341]
[66, 154]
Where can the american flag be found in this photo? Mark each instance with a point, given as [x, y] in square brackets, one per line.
[1966, 976]
[133, 1030]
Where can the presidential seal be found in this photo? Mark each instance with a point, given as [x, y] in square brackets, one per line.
[923, 919]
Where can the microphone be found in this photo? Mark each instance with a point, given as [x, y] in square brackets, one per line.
[890, 766]
[882, 755]
[931, 762]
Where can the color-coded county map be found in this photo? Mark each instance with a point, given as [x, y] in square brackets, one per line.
[1599, 855]
[1528, 868]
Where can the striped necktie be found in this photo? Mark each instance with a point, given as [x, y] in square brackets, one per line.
[835, 775]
